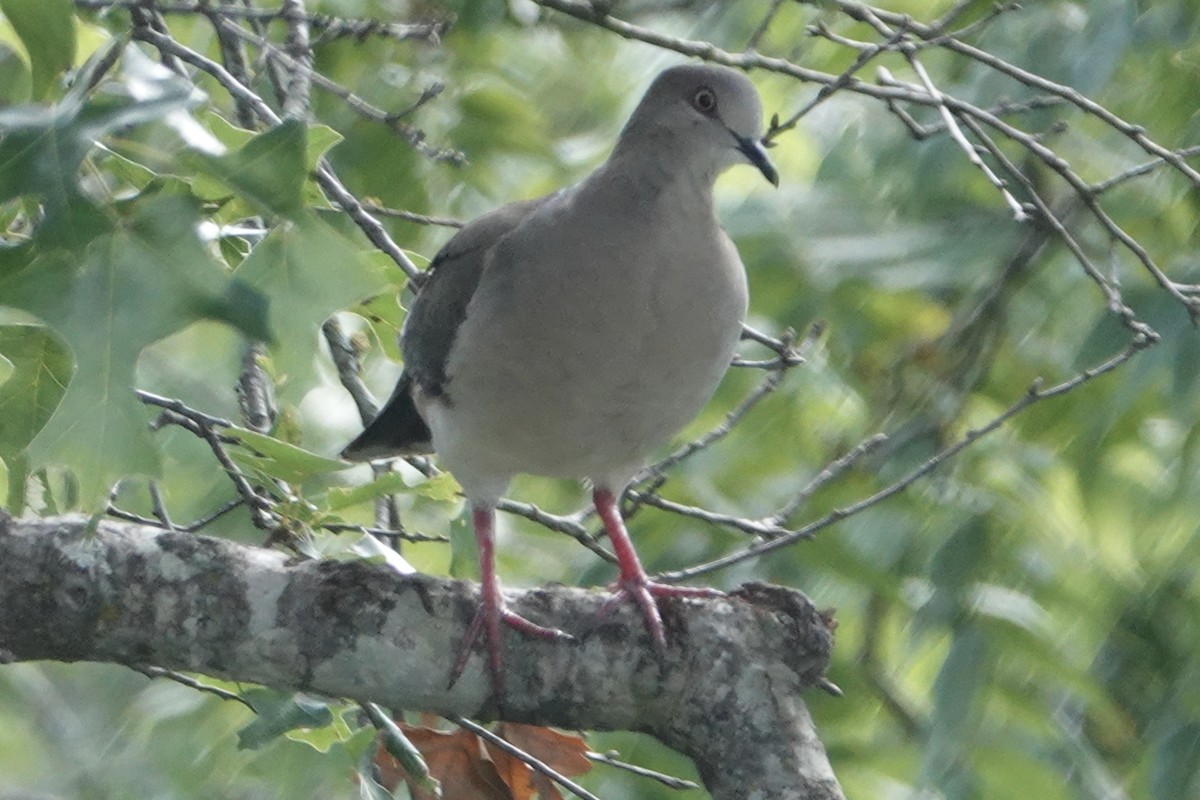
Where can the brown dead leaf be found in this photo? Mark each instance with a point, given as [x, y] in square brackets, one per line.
[457, 760]
[521, 780]
[561, 752]
[471, 769]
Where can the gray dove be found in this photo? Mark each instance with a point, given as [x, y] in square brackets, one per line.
[572, 335]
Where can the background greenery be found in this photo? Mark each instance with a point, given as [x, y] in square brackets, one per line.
[1025, 622]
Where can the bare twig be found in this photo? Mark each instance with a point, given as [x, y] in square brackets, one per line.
[345, 359]
[570, 525]
[1033, 395]
[762, 528]
[412, 216]
[831, 471]
[326, 177]
[763, 26]
[192, 683]
[610, 758]
[414, 136]
[299, 51]
[961, 140]
[533, 763]
[386, 533]
[160, 508]
[329, 27]
[254, 390]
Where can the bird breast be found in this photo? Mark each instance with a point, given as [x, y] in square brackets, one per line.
[588, 346]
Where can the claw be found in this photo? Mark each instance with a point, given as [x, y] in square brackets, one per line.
[634, 584]
[494, 647]
[492, 612]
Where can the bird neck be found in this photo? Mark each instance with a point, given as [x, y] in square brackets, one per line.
[655, 159]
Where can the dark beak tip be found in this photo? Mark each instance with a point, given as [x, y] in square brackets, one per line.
[767, 168]
[756, 153]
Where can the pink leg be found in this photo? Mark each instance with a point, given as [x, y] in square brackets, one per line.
[491, 607]
[633, 582]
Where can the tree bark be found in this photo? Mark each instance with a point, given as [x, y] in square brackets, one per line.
[727, 693]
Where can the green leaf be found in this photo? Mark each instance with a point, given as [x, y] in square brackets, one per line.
[279, 459]
[47, 30]
[310, 271]
[361, 742]
[323, 739]
[116, 286]
[14, 76]
[269, 170]
[320, 139]
[404, 751]
[953, 720]
[1176, 768]
[386, 318]
[464, 561]
[225, 130]
[441, 488]
[43, 147]
[354, 545]
[368, 788]
[278, 713]
[40, 368]
[387, 483]
[6, 369]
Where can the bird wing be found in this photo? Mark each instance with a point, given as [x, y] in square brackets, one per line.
[429, 331]
[441, 305]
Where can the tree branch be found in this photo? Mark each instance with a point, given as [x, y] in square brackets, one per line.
[75, 589]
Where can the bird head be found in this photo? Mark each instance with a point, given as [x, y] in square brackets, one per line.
[706, 116]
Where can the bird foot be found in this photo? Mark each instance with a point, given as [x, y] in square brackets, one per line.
[490, 618]
[645, 593]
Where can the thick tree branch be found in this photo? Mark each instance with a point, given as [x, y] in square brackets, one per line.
[728, 692]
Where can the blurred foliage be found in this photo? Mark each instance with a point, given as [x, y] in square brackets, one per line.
[1023, 623]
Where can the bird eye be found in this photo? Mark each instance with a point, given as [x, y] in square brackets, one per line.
[704, 100]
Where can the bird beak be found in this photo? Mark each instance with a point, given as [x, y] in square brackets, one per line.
[756, 153]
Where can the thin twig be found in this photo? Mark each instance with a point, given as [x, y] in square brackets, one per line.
[1080, 187]
[204, 426]
[767, 19]
[181, 408]
[830, 472]
[346, 359]
[225, 508]
[610, 758]
[1116, 303]
[843, 80]
[412, 216]
[387, 533]
[160, 508]
[414, 136]
[299, 51]
[326, 177]
[1033, 395]
[192, 683]
[1136, 133]
[962, 141]
[533, 763]
[948, 118]
[568, 525]
[762, 528]
[329, 27]
[1139, 170]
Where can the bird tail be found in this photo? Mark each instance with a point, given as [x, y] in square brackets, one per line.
[397, 430]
